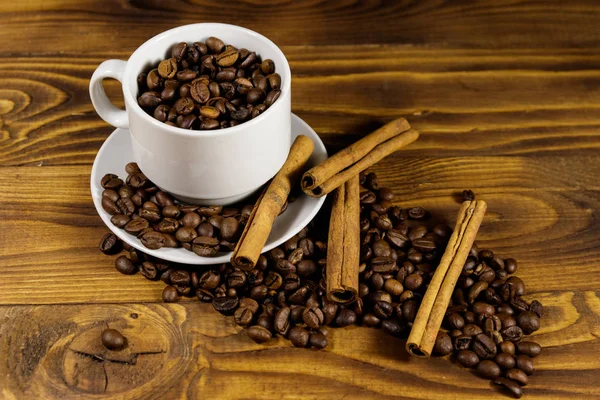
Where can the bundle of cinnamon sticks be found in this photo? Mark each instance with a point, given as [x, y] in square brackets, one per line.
[340, 172]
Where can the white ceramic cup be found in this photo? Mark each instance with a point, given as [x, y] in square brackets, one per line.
[203, 167]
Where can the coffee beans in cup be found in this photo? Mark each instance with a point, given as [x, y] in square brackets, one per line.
[208, 85]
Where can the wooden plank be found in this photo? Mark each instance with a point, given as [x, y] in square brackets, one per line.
[508, 102]
[543, 211]
[191, 351]
[44, 25]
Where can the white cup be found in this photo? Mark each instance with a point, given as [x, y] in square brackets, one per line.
[203, 167]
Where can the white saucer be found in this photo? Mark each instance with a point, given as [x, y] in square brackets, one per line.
[116, 152]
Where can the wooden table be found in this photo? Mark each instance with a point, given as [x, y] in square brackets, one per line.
[505, 93]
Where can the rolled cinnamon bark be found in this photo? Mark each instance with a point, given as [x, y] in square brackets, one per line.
[343, 245]
[268, 206]
[336, 170]
[437, 297]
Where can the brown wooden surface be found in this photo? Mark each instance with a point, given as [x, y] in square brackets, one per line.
[506, 94]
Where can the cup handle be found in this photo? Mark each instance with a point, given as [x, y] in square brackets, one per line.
[105, 109]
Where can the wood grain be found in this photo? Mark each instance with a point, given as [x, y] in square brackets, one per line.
[507, 102]
[504, 93]
[466, 24]
[190, 351]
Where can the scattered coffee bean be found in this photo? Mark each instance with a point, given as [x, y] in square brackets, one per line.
[285, 294]
[110, 244]
[518, 376]
[299, 336]
[170, 294]
[530, 349]
[525, 364]
[467, 358]
[112, 339]
[125, 266]
[259, 334]
[443, 345]
[512, 386]
[505, 360]
[488, 369]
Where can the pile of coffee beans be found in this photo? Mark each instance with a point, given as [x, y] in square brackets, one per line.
[141, 209]
[208, 85]
[488, 319]
[400, 250]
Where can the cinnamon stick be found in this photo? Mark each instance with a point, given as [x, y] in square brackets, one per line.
[336, 170]
[437, 297]
[268, 206]
[343, 245]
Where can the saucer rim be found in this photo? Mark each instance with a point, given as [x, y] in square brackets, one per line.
[225, 257]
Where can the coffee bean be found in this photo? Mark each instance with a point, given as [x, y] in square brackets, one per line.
[536, 307]
[393, 327]
[384, 265]
[204, 295]
[507, 347]
[225, 305]
[112, 339]
[345, 317]
[259, 334]
[111, 181]
[149, 99]
[505, 360]
[125, 266]
[393, 287]
[370, 320]
[205, 246]
[483, 308]
[519, 305]
[455, 320]
[491, 324]
[413, 282]
[274, 82]
[462, 342]
[317, 340]
[471, 330]
[483, 346]
[467, 195]
[153, 240]
[299, 336]
[476, 290]
[417, 213]
[259, 292]
[512, 333]
[510, 265]
[313, 317]
[512, 386]
[518, 376]
[149, 271]
[110, 244]
[528, 321]
[383, 310]
[120, 220]
[488, 369]
[467, 358]
[530, 349]
[170, 295]
[230, 229]
[110, 207]
[409, 310]
[517, 285]
[243, 316]
[443, 345]
[525, 364]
